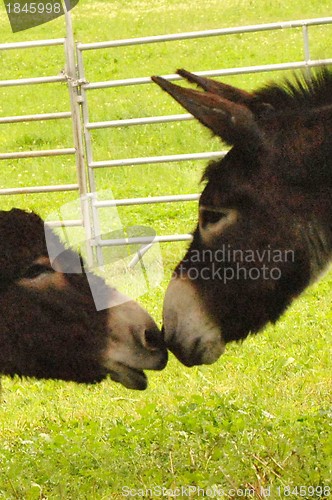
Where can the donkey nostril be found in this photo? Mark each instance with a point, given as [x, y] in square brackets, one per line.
[153, 339]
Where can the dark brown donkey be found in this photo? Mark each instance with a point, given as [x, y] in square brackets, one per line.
[265, 215]
[49, 325]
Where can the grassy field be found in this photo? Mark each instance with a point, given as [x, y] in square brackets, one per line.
[257, 424]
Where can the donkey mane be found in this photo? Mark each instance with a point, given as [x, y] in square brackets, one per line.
[297, 122]
[302, 93]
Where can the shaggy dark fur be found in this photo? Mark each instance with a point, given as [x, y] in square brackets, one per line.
[278, 177]
[42, 334]
[49, 325]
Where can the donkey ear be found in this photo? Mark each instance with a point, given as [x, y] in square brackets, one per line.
[239, 96]
[233, 122]
[226, 91]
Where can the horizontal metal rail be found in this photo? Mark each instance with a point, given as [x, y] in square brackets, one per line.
[32, 81]
[156, 159]
[147, 200]
[204, 34]
[64, 223]
[141, 240]
[37, 154]
[32, 44]
[39, 189]
[139, 121]
[36, 117]
[222, 72]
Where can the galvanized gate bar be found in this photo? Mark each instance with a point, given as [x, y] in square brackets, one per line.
[37, 117]
[66, 223]
[142, 201]
[139, 121]
[40, 189]
[126, 162]
[94, 225]
[205, 33]
[32, 44]
[37, 154]
[222, 72]
[32, 81]
[141, 240]
[75, 106]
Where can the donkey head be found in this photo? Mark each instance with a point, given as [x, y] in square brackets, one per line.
[49, 325]
[264, 226]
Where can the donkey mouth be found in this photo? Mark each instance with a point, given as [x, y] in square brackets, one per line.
[197, 350]
[131, 378]
[187, 359]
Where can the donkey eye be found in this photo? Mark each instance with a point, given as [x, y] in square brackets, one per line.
[211, 216]
[214, 221]
[36, 270]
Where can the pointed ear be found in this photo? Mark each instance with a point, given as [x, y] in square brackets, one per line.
[228, 92]
[233, 122]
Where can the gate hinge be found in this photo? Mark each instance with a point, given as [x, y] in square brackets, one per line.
[75, 82]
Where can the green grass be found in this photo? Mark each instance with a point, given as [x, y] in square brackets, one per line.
[261, 416]
[258, 418]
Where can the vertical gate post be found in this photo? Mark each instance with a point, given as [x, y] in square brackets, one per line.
[75, 104]
[95, 230]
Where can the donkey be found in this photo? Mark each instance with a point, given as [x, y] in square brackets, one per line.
[49, 325]
[264, 231]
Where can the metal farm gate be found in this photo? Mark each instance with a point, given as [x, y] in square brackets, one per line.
[82, 148]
